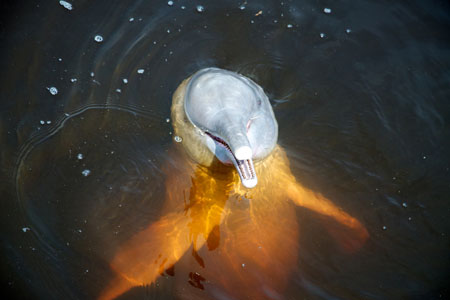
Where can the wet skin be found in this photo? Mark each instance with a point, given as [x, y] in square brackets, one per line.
[242, 242]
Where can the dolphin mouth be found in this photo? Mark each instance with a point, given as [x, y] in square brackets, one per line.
[244, 167]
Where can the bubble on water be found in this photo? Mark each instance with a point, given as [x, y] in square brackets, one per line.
[131, 19]
[118, 90]
[80, 156]
[183, 7]
[140, 71]
[49, 122]
[86, 172]
[348, 30]
[200, 8]
[424, 157]
[92, 74]
[322, 35]
[289, 26]
[59, 59]
[167, 120]
[52, 90]
[42, 122]
[73, 80]
[404, 204]
[25, 229]
[177, 139]
[125, 80]
[243, 265]
[98, 38]
[168, 30]
[66, 5]
[384, 227]
[170, 3]
[327, 10]
[242, 7]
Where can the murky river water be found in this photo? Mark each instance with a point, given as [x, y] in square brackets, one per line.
[360, 90]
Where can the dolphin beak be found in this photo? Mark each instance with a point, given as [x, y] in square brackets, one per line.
[246, 171]
[243, 163]
[241, 158]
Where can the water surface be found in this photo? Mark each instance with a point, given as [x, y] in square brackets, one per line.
[360, 94]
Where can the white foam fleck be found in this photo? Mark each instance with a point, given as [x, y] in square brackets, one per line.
[200, 8]
[131, 19]
[42, 122]
[118, 90]
[53, 90]
[86, 172]
[98, 38]
[327, 10]
[49, 122]
[348, 30]
[73, 80]
[177, 139]
[167, 120]
[170, 3]
[66, 5]
[25, 229]
[384, 227]
[289, 25]
[322, 35]
[80, 156]
[125, 80]
[405, 204]
[140, 71]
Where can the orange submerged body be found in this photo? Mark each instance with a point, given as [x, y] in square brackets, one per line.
[234, 243]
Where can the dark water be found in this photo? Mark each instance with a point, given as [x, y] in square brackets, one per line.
[363, 113]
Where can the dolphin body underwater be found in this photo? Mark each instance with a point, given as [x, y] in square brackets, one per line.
[230, 200]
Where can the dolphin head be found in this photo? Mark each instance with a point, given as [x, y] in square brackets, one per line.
[235, 118]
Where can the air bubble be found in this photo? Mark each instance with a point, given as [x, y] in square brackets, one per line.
[53, 90]
[200, 8]
[66, 5]
[98, 38]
